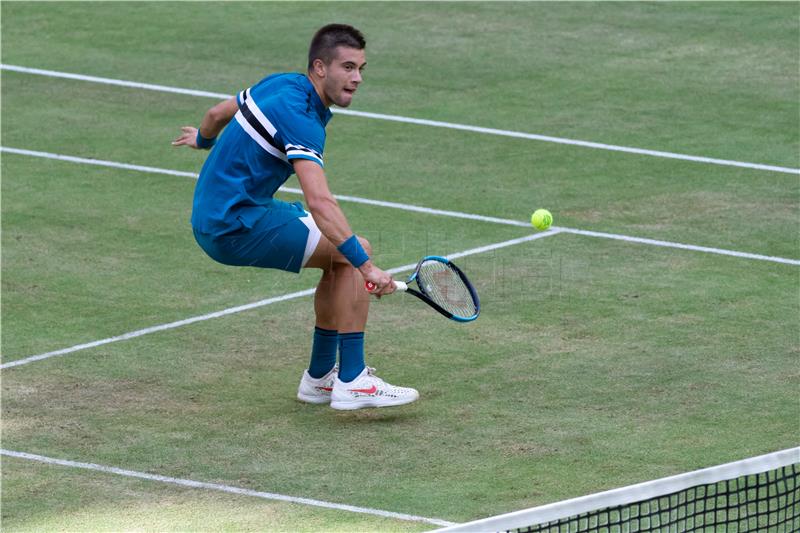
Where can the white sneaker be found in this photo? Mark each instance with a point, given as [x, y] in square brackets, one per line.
[368, 390]
[317, 390]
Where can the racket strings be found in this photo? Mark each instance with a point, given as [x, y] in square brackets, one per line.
[445, 287]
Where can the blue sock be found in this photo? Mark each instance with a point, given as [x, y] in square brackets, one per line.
[323, 352]
[351, 355]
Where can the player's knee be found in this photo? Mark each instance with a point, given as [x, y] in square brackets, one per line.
[366, 245]
[340, 261]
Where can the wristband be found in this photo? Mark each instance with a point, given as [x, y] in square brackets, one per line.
[353, 251]
[204, 143]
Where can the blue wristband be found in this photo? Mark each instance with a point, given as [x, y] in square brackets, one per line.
[204, 143]
[353, 251]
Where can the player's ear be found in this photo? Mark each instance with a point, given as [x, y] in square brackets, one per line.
[319, 67]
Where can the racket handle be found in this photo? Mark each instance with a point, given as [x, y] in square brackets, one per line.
[401, 286]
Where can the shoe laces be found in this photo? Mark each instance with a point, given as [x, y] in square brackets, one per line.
[392, 389]
[371, 373]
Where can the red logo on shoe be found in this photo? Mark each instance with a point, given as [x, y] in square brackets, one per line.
[370, 390]
[326, 389]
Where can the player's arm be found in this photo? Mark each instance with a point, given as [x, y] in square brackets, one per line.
[213, 122]
[331, 220]
[323, 206]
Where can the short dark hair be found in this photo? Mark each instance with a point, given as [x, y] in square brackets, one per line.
[327, 38]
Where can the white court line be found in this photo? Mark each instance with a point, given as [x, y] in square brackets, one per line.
[420, 122]
[162, 327]
[667, 244]
[428, 210]
[111, 81]
[254, 305]
[573, 142]
[354, 199]
[97, 162]
[224, 488]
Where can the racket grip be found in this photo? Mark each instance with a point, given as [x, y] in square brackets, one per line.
[401, 286]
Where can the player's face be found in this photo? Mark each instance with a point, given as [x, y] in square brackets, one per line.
[343, 76]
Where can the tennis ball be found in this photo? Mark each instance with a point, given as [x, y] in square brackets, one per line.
[541, 219]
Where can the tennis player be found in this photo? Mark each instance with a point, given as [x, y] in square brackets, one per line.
[278, 129]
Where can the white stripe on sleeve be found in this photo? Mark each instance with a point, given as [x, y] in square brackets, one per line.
[258, 138]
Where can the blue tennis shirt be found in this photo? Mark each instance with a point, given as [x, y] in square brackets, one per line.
[279, 119]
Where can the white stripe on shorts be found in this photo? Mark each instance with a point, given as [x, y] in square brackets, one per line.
[313, 237]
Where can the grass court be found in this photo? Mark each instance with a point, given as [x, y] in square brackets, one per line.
[597, 362]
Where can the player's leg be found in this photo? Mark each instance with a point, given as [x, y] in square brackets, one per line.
[341, 300]
[333, 309]
[329, 307]
[287, 238]
[341, 304]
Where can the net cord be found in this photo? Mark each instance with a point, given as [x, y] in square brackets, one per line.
[630, 494]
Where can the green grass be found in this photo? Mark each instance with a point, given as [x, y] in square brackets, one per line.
[595, 363]
[619, 356]
[674, 75]
[72, 259]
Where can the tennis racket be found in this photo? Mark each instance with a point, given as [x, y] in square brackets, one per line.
[443, 286]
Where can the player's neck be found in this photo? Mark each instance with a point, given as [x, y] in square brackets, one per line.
[317, 83]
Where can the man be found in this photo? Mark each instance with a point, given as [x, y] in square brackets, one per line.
[279, 129]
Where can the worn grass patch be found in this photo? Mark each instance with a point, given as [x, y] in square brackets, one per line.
[39, 497]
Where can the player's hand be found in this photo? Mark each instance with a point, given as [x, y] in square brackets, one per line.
[384, 284]
[187, 138]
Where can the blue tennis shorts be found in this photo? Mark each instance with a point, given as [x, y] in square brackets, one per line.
[285, 246]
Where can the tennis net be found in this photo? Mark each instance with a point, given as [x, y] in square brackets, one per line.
[757, 494]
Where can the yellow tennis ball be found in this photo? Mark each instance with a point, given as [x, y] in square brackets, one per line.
[541, 219]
